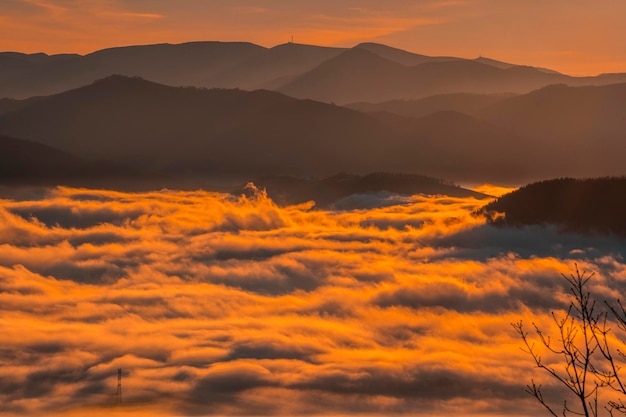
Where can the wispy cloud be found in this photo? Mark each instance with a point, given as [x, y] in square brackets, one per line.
[46, 5]
[134, 15]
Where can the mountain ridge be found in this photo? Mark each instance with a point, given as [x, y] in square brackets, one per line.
[26, 162]
[216, 64]
[161, 128]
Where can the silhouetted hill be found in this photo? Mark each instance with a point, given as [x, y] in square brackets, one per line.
[153, 127]
[471, 104]
[23, 161]
[354, 75]
[202, 64]
[325, 192]
[361, 75]
[400, 56]
[454, 145]
[366, 72]
[160, 128]
[8, 105]
[583, 127]
[186, 129]
[275, 66]
[193, 63]
[506, 65]
[590, 206]
[494, 63]
[564, 111]
[554, 131]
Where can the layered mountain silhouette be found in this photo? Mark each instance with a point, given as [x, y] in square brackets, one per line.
[361, 75]
[594, 205]
[571, 130]
[203, 64]
[158, 128]
[23, 161]
[367, 72]
[582, 116]
[329, 191]
[468, 103]
[192, 63]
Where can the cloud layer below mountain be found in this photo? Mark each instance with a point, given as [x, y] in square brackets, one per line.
[220, 305]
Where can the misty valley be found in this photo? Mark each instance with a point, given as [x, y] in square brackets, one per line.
[220, 228]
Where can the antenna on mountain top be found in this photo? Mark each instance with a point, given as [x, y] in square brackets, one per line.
[291, 38]
[118, 397]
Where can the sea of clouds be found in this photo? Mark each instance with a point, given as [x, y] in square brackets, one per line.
[214, 304]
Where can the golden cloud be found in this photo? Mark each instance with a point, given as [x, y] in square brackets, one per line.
[226, 305]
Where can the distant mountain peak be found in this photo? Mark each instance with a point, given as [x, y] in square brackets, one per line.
[301, 45]
[118, 80]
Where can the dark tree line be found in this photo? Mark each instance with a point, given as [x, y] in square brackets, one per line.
[595, 205]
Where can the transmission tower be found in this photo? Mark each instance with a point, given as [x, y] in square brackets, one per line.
[118, 398]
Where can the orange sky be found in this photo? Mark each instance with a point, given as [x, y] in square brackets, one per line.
[573, 36]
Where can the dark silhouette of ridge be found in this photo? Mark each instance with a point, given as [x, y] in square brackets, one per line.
[557, 130]
[400, 56]
[584, 128]
[506, 65]
[23, 161]
[325, 192]
[362, 75]
[276, 66]
[193, 63]
[457, 144]
[8, 105]
[594, 205]
[202, 64]
[356, 72]
[366, 72]
[157, 127]
[468, 103]
[190, 131]
[493, 62]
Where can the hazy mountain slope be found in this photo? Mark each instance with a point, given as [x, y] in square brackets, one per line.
[25, 161]
[400, 56]
[193, 63]
[454, 145]
[589, 121]
[412, 59]
[8, 105]
[591, 205]
[275, 66]
[328, 191]
[354, 75]
[156, 126]
[368, 72]
[468, 103]
[188, 130]
[564, 111]
[183, 129]
[361, 75]
[506, 65]
[469, 76]
[14, 64]
[494, 63]
[553, 131]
